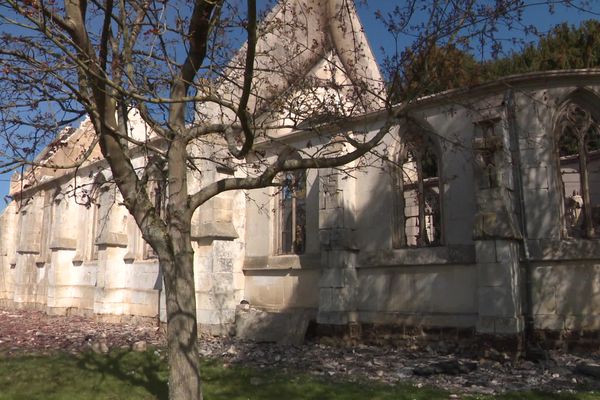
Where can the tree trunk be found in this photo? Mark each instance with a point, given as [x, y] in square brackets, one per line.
[182, 329]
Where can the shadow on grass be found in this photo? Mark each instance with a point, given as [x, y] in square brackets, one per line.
[239, 383]
[145, 369]
[539, 395]
[129, 375]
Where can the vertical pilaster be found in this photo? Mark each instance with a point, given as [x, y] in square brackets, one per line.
[218, 260]
[496, 232]
[338, 282]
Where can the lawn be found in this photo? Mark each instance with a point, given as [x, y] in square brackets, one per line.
[129, 375]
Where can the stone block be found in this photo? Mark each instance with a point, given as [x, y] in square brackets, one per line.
[485, 325]
[589, 322]
[332, 318]
[373, 290]
[223, 265]
[498, 224]
[324, 237]
[542, 209]
[397, 294]
[110, 239]
[287, 261]
[444, 321]
[215, 317]
[265, 291]
[536, 178]
[485, 251]
[458, 231]
[453, 291]
[544, 296]
[332, 278]
[507, 251]
[238, 281]
[549, 322]
[338, 300]
[262, 326]
[143, 297]
[341, 259]
[497, 302]
[493, 274]
[149, 309]
[575, 293]
[341, 238]
[205, 301]
[331, 218]
[216, 230]
[508, 326]
[302, 290]
[536, 156]
[222, 282]
[564, 249]
[326, 298]
[203, 263]
[63, 243]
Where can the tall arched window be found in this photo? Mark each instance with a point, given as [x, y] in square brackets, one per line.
[292, 213]
[157, 190]
[96, 201]
[418, 206]
[103, 195]
[578, 147]
[50, 200]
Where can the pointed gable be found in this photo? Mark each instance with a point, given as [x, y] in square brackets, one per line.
[309, 52]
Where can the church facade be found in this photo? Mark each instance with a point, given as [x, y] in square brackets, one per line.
[479, 210]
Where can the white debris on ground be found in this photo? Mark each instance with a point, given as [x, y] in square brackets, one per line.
[441, 364]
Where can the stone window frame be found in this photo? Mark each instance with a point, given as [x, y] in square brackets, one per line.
[291, 181]
[138, 248]
[158, 190]
[48, 222]
[28, 216]
[576, 110]
[87, 249]
[415, 136]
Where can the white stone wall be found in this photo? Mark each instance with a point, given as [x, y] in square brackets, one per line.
[566, 295]
[350, 271]
[462, 283]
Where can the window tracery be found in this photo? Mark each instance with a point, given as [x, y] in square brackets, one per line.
[578, 147]
[418, 206]
[292, 213]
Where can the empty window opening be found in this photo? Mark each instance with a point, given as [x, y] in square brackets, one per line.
[418, 221]
[579, 155]
[292, 213]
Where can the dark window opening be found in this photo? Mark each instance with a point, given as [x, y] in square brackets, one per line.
[419, 214]
[292, 216]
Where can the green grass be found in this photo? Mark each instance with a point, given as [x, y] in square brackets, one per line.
[128, 375]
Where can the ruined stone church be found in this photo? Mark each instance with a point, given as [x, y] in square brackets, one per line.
[479, 211]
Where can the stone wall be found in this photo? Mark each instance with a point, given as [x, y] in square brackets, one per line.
[502, 204]
[567, 295]
[502, 215]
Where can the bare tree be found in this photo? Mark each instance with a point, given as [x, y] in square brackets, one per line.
[179, 64]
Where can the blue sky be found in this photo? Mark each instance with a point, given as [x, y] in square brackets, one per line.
[382, 42]
[535, 14]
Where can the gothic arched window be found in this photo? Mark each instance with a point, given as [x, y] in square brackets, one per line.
[418, 207]
[578, 147]
[292, 213]
[157, 191]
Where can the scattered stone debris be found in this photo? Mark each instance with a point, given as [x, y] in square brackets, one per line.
[140, 346]
[448, 367]
[588, 369]
[34, 331]
[459, 371]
